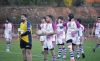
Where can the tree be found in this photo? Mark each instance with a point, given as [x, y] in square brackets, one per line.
[68, 3]
[78, 2]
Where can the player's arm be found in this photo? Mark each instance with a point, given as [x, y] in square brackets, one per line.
[93, 29]
[79, 30]
[27, 31]
[65, 26]
[85, 34]
[55, 32]
[39, 28]
[3, 28]
[13, 28]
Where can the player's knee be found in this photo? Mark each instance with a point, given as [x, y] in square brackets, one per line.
[52, 49]
[7, 39]
[70, 47]
[28, 51]
[23, 51]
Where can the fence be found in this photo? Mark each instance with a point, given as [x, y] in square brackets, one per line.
[35, 27]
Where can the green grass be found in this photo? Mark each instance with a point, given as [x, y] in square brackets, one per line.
[15, 54]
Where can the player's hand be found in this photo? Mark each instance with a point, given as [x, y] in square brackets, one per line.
[19, 36]
[80, 38]
[48, 34]
[3, 35]
[38, 37]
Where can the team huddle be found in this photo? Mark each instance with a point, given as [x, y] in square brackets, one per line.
[70, 32]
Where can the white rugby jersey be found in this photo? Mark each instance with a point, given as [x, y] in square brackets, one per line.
[50, 27]
[43, 26]
[97, 27]
[83, 29]
[72, 28]
[8, 27]
[60, 29]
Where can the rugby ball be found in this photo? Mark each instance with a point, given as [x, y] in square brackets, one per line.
[40, 33]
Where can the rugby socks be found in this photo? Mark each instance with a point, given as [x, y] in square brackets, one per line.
[25, 60]
[53, 58]
[64, 51]
[81, 49]
[42, 52]
[7, 45]
[71, 54]
[45, 60]
[78, 52]
[96, 46]
[59, 52]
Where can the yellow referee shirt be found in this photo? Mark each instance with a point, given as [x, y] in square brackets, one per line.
[26, 26]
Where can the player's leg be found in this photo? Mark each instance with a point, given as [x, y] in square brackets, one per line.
[53, 54]
[77, 48]
[45, 54]
[59, 43]
[69, 43]
[81, 49]
[24, 54]
[7, 44]
[78, 51]
[7, 41]
[22, 46]
[45, 50]
[42, 39]
[98, 44]
[42, 43]
[50, 45]
[64, 49]
[28, 51]
[59, 51]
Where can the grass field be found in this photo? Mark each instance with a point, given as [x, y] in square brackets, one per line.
[15, 54]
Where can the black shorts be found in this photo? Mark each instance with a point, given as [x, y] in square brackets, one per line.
[25, 45]
[47, 49]
[69, 41]
[61, 44]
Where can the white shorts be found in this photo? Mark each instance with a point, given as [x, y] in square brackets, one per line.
[97, 35]
[8, 36]
[49, 43]
[83, 38]
[75, 40]
[42, 38]
[59, 41]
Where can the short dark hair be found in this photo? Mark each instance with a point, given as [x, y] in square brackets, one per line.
[44, 18]
[71, 15]
[50, 16]
[7, 19]
[60, 17]
[24, 15]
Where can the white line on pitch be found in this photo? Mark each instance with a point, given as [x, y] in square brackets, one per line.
[32, 55]
[87, 46]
